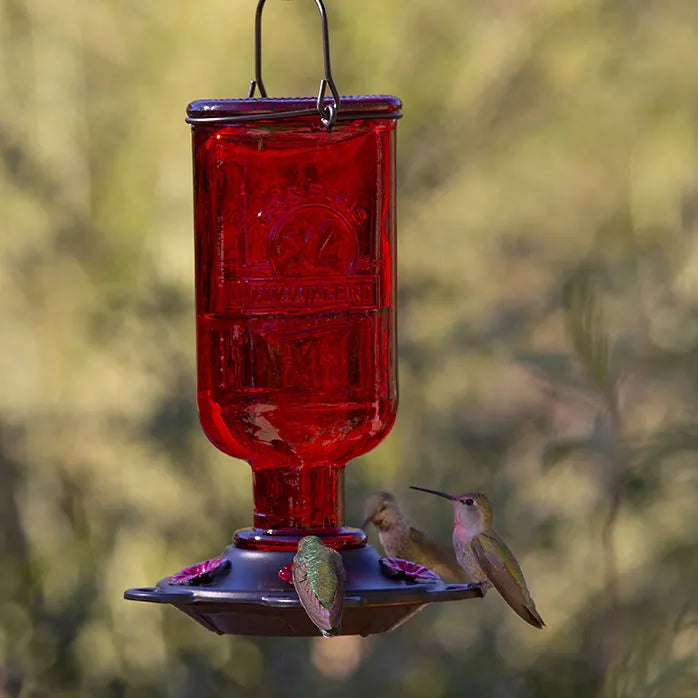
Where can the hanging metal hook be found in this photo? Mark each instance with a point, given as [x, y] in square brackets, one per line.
[328, 112]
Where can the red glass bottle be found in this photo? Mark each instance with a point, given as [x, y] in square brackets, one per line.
[295, 297]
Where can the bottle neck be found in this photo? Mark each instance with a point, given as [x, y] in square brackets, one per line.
[292, 502]
[300, 497]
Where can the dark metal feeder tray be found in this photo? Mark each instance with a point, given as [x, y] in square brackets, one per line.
[249, 597]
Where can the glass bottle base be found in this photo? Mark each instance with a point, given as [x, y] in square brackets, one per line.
[343, 538]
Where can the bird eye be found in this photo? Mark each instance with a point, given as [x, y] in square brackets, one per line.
[469, 502]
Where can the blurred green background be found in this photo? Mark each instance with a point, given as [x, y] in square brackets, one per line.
[548, 255]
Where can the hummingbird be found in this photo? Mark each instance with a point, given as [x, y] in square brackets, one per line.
[485, 556]
[400, 539]
[318, 576]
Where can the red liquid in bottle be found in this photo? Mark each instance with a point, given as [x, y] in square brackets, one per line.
[295, 285]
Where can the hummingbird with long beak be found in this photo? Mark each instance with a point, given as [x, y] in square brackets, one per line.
[484, 555]
[400, 539]
[318, 576]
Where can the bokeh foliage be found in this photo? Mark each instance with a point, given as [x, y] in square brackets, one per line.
[548, 340]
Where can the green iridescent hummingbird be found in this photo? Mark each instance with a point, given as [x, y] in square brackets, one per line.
[400, 539]
[485, 556]
[318, 576]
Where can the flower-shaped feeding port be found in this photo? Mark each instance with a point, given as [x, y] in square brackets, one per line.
[408, 571]
[200, 573]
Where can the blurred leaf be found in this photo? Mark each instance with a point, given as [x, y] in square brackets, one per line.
[559, 367]
[663, 444]
[561, 375]
[557, 451]
[598, 442]
[585, 326]
[678, 679]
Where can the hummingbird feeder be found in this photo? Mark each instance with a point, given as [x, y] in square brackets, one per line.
[294, 222]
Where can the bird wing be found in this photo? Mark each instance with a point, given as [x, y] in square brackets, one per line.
[337, 606]
[509, 581]
[320, 615]
[436, 557]
[420, 538]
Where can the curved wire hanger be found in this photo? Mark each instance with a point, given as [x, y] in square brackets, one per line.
[328, 112]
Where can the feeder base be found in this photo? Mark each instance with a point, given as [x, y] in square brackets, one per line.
[250, 598]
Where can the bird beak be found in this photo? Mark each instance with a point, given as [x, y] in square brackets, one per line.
[445, 495]
[366, 523]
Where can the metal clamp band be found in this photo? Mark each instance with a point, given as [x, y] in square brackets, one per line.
[328, 112]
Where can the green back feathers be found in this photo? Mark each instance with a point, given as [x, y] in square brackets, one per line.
[322, 566]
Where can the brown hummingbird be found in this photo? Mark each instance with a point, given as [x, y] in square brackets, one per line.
[485, 556]
[399, 539]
